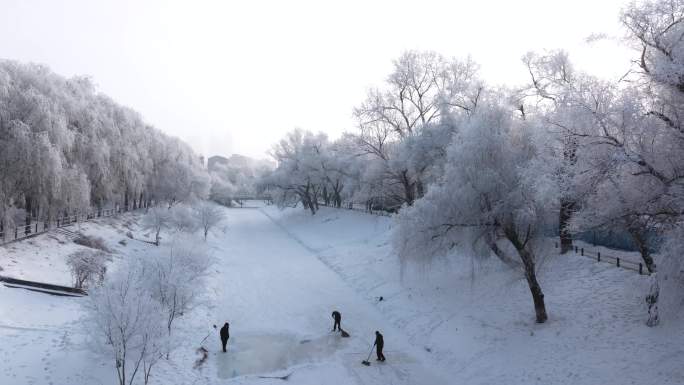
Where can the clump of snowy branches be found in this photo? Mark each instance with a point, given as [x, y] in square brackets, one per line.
[155, 220]
[132, 313]
[207, 216]
[127, 324]
[88, 267]
[183, 219]
[92, 242]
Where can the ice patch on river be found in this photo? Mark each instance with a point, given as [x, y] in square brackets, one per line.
[257, 353]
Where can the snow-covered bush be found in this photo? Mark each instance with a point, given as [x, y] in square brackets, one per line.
[127, 324]
[175, 276]
[183, 219]
[88, 267]
[156, 220]
[208, 215]
[92, 242]
[132, 313]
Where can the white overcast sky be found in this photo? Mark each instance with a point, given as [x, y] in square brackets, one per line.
[233, 77]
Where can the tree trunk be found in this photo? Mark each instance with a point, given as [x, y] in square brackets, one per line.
[409, 193]
[566, 209]
[640, 242]
[652, 301]
[28, 210]
[420, 188]
[126, 200]
[326, 196]
[531, 276]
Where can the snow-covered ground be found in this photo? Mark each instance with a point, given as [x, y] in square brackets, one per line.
[279, 275]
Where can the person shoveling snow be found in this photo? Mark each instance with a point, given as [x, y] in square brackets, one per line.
[337, 317]
[379, 344]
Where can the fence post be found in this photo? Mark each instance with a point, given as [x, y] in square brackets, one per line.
[618, 261]
[575, 249]
[555, 245]
[36, 227]
[599, 256]
[16, 233]
[582, 251]
[641, 268]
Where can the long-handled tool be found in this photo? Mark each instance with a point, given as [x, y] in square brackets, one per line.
[367, 360]
[205, 338]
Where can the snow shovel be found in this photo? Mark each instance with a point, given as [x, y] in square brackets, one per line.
[367, 360]
[344, 333]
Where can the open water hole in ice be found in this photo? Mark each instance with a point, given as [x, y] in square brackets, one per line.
[264, 353]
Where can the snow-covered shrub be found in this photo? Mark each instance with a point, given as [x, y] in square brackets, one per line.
[175, 276]
[156, 220]
[208, 215]
[183, 219]
[88, 267]
[92, 242]
[127, 324]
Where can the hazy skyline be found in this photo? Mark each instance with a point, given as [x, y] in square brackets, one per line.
[232, 77]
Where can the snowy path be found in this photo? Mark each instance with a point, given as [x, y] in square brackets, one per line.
[278, 296]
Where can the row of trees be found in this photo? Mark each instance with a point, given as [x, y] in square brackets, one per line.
[201, 216]
[496, 170]
[64, 148]
[235, 178]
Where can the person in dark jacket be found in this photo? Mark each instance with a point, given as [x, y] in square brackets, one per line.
[224, 336]
[379, 344]
[338, 318]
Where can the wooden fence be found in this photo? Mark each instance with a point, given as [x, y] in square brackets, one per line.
[13, 234]
[359, 207]
[621, 262]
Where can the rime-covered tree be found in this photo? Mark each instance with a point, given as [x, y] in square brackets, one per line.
[424, 89]
[65, 148]
[495, 194]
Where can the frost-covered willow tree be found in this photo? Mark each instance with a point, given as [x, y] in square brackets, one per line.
[495, 194]
[65, 147]
[425, 90]
[312, 170]
[298, 177]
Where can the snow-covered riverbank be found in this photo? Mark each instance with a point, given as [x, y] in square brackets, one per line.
[278, 276]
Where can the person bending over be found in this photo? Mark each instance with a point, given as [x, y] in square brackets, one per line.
[338, 318]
